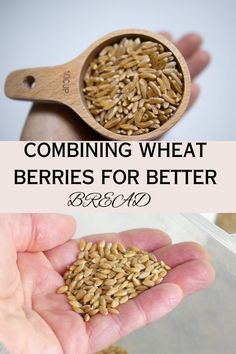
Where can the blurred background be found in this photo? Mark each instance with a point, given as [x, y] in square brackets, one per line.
[43, 33]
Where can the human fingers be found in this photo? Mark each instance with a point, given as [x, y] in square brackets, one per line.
[189, 44]
[198, 62]
[191, 276]
[28, 232]
[167, 35]
[190, 263]
[195, 90]
[184, 279]
[136, 313]
[36, 232]
[180, 253]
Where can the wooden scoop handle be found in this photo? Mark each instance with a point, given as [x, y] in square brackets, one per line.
[39, 84]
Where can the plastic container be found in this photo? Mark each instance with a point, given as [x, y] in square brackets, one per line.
[205, 323]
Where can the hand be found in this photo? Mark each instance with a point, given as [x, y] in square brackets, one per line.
[57, 122]
[34, 252]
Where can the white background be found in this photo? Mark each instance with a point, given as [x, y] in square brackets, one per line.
[41, 33]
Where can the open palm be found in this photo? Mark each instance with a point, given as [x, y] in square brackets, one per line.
[58, 122]
[34, 252]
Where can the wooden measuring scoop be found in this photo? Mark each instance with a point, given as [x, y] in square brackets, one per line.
[64, 83]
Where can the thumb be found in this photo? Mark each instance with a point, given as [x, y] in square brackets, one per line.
[31, 233]
[36, 232]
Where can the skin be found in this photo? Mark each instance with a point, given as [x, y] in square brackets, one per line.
[34, 252]
[58, 122]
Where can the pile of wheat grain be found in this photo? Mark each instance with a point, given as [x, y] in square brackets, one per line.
[133, 87]
[106, 275]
